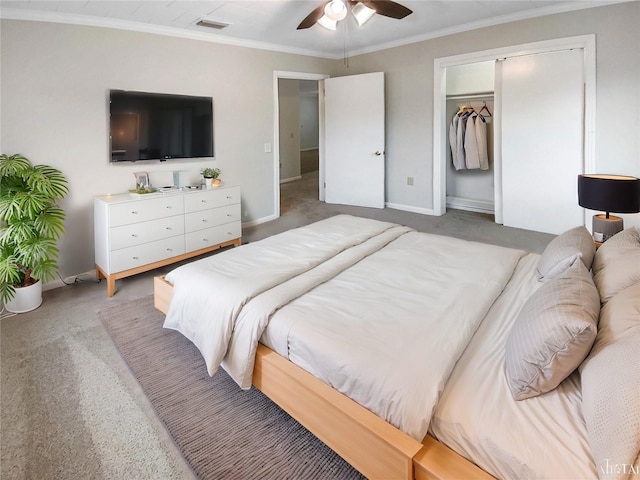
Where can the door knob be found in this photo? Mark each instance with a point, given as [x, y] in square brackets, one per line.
[377, 153]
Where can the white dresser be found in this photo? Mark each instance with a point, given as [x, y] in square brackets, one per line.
[134, 234]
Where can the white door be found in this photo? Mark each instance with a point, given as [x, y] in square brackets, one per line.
[542, 140]
[354, 140]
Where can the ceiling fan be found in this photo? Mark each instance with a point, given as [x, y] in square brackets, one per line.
[331, 12]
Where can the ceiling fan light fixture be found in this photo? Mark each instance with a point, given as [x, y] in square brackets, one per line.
[335, 10]
[327, 23]
[362, 13]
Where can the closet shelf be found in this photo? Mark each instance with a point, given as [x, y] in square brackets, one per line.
[470, 96]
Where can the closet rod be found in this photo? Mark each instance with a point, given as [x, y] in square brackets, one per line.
[469, 97]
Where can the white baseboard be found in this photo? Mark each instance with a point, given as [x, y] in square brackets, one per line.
[480, 206]
[253, 223]
[70, 279]
[409, 208]
[290, 179]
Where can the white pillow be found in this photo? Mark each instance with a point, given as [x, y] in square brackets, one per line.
[553, 333]
[617, 263]
[611, 386]
[563, 250]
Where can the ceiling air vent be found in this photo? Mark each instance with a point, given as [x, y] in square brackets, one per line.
[211, 24]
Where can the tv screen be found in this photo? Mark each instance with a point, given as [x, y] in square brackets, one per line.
[153, 126]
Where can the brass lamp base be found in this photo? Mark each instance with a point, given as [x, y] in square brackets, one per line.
[605, 228]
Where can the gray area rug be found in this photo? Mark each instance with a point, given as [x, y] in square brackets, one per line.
[223, 431]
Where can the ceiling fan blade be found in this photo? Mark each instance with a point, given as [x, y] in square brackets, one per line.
[312, 18]
[388, 8]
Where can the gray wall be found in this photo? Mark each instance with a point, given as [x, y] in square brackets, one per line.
[409, 91]
[54, 90]
[55, 80]
[289, 109]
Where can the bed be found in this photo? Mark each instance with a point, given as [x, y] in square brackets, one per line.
[389, 345]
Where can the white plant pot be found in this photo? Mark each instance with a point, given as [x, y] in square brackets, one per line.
[208, 183]
[26, 299]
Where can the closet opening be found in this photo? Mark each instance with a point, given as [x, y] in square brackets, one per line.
[470, 147]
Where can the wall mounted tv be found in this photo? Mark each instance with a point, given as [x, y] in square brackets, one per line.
[153, 126]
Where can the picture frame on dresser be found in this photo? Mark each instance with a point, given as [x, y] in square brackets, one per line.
[142, 179]
[135, 234]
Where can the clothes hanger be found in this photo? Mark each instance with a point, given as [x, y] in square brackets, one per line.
[465, 109]
[484, 107]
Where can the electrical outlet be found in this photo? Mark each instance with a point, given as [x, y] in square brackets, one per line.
[267, 148]
[410, 181]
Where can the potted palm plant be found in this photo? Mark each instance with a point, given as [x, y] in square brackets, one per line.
[30, 225]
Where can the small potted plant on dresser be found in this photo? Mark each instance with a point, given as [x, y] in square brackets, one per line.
[211, 177]
[30, 225]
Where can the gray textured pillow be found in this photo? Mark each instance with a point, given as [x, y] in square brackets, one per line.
[563, 250]
[617, 263]
[553, 333]
[611, 385]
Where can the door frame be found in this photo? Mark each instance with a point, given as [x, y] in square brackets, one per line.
[586, 42]
[320, 77]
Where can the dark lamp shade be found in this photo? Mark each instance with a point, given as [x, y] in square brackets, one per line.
[609, 193]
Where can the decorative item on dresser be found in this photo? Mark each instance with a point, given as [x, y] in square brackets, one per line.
[609, 193]
[211, 179]
[134, 234]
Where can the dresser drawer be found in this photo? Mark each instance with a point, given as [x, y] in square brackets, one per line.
[210, 218]
[204, 200]
[144, 232]
[144, 210]
[211, 236]
[132, 257]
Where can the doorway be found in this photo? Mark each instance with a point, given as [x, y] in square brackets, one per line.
[298, 143]
[291, 91]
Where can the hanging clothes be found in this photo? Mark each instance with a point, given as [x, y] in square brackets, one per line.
[453, 142]
[475, 143]
[470, 143]
[457, 132]
[468, 140]
[481, 139]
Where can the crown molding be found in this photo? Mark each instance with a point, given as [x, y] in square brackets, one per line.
[72, 19]
[513, 17]
[84, 20]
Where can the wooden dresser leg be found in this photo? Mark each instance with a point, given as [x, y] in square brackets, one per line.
[111, 285]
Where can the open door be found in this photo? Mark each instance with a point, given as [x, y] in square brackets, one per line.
[354, 140]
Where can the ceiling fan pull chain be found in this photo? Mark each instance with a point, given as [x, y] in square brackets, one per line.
[346, 44]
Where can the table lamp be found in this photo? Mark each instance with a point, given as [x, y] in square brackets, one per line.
[608, 193]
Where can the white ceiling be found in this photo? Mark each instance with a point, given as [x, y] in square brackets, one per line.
[271, 24]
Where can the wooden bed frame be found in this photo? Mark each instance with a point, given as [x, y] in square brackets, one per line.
[371, 445]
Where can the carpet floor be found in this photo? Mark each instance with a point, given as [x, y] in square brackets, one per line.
[223, 431]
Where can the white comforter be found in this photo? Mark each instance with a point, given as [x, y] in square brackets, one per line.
[211, 297]
[378, 311]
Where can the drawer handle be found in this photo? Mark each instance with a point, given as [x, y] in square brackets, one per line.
[134, 235]
[229, 215]
[168, 228]
[229, 198]
[205, 239]
[169, 207]
[203, 201]
[134, 212]
[169, 249]
[135, 258]
[204, 220]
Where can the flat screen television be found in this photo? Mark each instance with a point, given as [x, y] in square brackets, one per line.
[154, 126]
